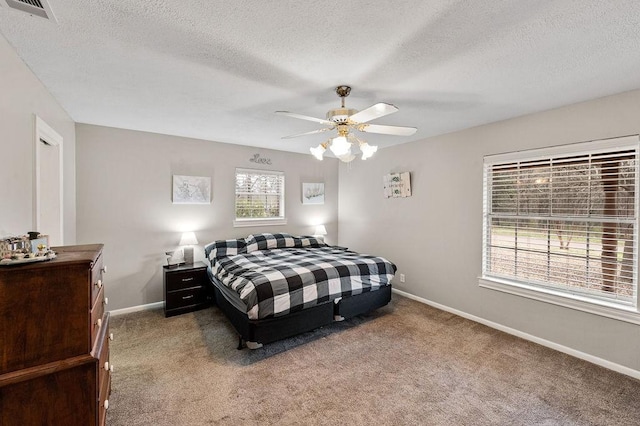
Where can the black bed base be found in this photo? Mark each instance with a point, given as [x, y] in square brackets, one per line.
[255, 333]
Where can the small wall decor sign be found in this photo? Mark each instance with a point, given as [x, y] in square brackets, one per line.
[397, 185]
[313, 193]
[191, 189]
[256, 159]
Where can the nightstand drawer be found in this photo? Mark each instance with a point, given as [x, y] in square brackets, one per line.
[185, 279]
[188, 297]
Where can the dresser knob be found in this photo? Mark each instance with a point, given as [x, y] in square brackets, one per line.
[99, 323]
[106, 404]
[111, 368]
[110, 336]
[106, 301]
[99, 284]
[106, 365]
[104, 269]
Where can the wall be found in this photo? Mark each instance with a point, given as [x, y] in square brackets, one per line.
[435, 236]
[22, 97]
[124, 201]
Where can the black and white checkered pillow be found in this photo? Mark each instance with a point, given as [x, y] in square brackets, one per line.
[226, 248]
[308, 241]
[269, 241]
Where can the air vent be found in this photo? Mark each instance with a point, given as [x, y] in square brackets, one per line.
[33, 7]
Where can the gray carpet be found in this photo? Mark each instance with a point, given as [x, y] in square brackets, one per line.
[407, 363]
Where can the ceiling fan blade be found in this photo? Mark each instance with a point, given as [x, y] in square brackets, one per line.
[375, 111]
[308, 133]
[387, 130]
[305, 117]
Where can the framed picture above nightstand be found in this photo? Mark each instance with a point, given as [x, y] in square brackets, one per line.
[186, 289]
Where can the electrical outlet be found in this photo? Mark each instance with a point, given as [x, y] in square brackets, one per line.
[401, 278]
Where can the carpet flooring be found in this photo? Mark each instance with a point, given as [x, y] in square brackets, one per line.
[405, 364]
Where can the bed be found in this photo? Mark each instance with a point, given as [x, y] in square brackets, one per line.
[274, 286]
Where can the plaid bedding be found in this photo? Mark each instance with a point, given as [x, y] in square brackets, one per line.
[276, 282]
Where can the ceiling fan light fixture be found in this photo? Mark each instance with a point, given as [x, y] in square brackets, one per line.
[340, 146]
[318, 151]
[367, 150]
[347, 158]
[345, 120]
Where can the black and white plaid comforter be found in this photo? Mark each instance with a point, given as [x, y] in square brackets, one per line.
[279, 281]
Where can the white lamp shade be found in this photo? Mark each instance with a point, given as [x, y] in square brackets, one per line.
[320, 230]
[367, 150]
[340, 146]
[188, 239]
[318, 151]
[347, 158]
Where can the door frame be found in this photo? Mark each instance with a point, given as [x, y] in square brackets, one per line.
[45, 133]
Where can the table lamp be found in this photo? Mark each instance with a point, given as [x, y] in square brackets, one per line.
[188, 239]
[320, 232]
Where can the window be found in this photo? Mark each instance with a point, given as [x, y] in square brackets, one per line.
[561, 225]
[259, 198]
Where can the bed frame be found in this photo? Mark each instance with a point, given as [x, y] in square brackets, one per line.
[254, 333]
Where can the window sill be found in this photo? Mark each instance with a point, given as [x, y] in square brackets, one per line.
[601, 308]
[241, 223]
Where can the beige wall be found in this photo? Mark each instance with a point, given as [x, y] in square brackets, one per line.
[22, 96]
[435, 236]
[124, 200]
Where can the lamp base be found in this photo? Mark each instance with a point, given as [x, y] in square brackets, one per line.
[188, 255]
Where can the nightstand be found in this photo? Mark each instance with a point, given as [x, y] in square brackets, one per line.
[186, 289]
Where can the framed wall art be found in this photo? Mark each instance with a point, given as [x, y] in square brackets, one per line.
[313, 193]
[191, 189]
[397, 185]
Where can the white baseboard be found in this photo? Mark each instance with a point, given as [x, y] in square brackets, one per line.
[567, 350]
[147, 307]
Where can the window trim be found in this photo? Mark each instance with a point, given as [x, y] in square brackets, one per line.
[579, 302]
[262, 221]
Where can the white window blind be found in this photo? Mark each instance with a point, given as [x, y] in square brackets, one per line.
[259, 195]
[565, 220]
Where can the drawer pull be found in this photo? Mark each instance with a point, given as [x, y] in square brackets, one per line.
[110, 336]
[187, 297]
[104, 269]
[106, 404]
[99, 284]
[105, 301]
[106, 365]
[186, 280]
[99, 323]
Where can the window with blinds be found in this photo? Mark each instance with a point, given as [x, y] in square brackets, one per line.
[259, 195]
[565, 220]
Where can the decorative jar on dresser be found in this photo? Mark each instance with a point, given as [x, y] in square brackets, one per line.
[54, 340]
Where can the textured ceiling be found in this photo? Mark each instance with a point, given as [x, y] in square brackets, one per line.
[217, 70]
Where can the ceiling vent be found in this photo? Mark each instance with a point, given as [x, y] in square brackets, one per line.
[33, 7]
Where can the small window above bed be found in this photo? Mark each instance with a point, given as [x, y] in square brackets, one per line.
[259, 198]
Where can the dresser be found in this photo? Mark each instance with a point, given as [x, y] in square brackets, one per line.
[54, 340]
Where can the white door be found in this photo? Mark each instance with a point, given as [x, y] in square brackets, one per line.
[48, 182]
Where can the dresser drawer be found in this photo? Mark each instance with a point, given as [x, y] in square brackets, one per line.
[96, 278]
[185, 279]
[103, 401]
[104, 364]
[96, 316]
[104, 370]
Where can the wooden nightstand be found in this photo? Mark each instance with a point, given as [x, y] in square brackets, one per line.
[186, 289]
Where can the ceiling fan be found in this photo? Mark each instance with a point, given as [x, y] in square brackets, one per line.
[344, 120]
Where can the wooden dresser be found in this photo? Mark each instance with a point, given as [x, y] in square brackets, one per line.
[54, 340]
